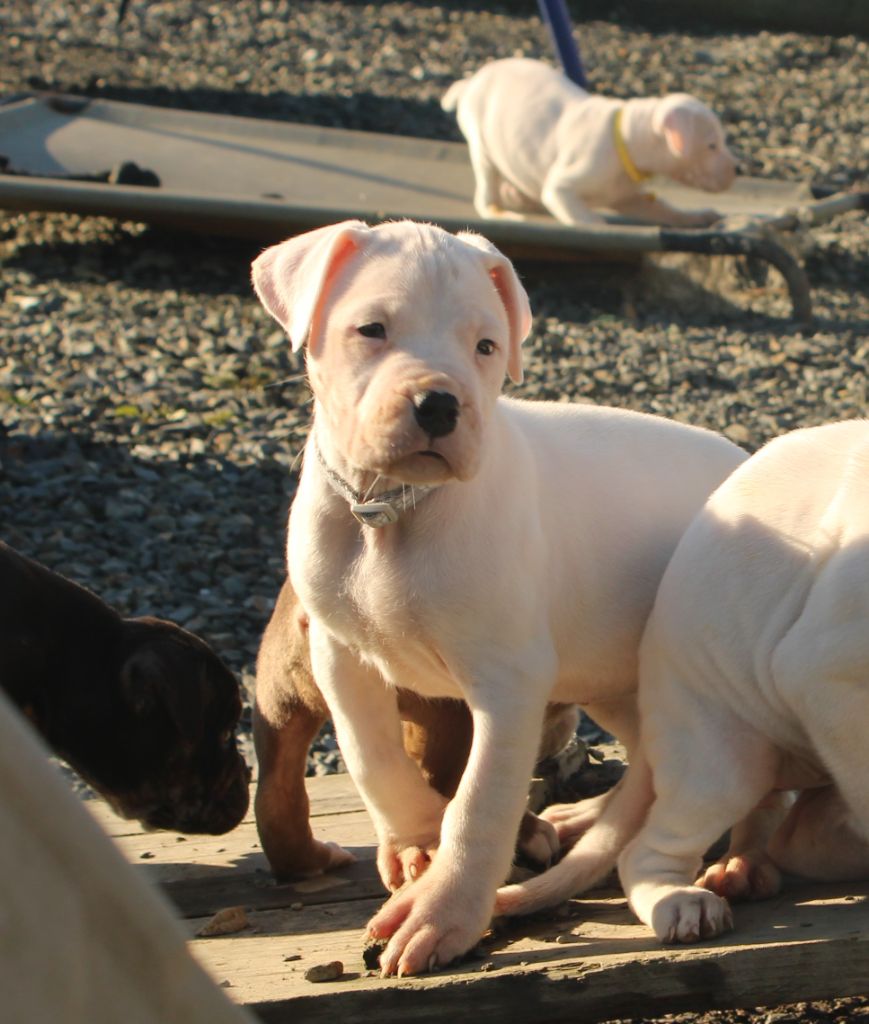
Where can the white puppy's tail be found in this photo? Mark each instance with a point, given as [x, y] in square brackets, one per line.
[452, 96]
[594, 854]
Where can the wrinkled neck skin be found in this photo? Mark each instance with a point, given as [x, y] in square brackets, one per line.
[647, 148]
[367, 483]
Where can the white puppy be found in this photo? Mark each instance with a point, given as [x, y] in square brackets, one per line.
[453, 541]
[754, 678]
[538, 140]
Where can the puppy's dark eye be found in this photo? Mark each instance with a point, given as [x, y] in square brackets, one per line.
[372, 331]
[713, 145]
[485, 347]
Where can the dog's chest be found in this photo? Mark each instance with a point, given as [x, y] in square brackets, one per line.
[390, 610]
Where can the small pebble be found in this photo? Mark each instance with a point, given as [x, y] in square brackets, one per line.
[225, 922]
[325, 972]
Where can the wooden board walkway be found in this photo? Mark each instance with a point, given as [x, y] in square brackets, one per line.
[589, 960]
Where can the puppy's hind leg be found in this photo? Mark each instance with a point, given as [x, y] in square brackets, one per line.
[821, 839]
[822, 668]
[826, 836]
[570, 821]
[710, 770]
[488, 184]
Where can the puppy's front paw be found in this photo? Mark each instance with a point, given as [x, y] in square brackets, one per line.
[744, 876]
[428, 924]
[690, 914]
[399, 864]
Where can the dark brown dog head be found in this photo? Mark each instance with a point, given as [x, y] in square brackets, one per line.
[171, 759]
[143, 710]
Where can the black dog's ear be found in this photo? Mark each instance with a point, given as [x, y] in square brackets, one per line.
[142, 681]
[151, 678]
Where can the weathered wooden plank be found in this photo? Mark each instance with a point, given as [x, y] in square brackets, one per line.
[200, 895]
[598, 963]
[202, 874]
[590, 961]
[166, 851]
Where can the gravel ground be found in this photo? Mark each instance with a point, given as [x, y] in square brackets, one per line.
[151, 412]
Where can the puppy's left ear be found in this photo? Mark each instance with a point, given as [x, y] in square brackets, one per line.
[512, 294]
[291, 278]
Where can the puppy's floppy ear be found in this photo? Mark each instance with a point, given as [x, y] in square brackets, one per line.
[677, 118]
[291, 278]
[512, 294]
[154, 675]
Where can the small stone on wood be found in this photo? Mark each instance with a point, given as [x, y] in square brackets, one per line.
[325, 972]
[225, 922]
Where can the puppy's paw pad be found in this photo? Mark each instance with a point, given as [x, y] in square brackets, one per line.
[689, 915]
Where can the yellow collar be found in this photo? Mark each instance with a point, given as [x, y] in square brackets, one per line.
[630, 168]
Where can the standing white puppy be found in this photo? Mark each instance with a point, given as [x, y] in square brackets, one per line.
[537, 140]
[453, 541]
[754, 678]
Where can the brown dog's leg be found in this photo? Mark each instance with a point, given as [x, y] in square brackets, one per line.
[437, 735]
[288, 713]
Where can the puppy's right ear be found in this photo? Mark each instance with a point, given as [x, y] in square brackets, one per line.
[291, 278]
[677, 118]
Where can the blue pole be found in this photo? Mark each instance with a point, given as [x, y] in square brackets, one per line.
[554, 13]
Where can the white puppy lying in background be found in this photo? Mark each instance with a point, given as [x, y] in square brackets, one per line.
[754, 678]
[463, 544]
[538, 140]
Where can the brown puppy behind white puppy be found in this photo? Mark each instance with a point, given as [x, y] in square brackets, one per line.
[754, 678]
[288, 712]
[539, 141]
[466, 545]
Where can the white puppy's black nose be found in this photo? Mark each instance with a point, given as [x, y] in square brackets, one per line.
[436, 412]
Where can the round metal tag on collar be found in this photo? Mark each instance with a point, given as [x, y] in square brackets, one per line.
[374, 513]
